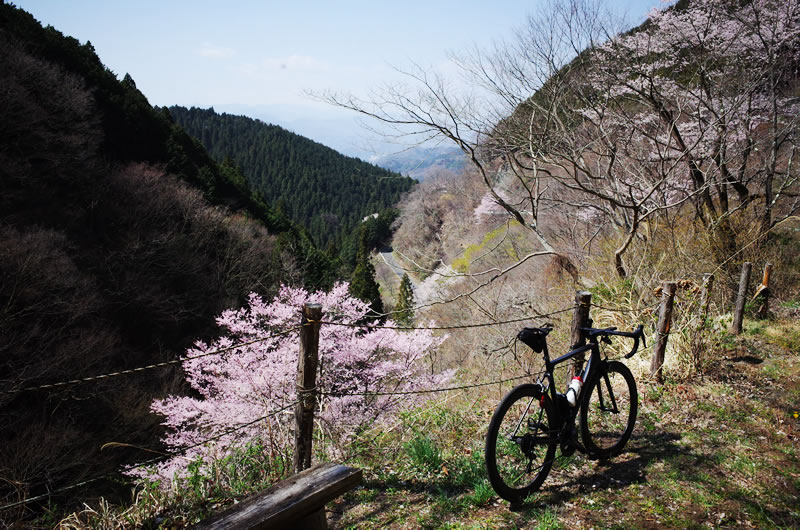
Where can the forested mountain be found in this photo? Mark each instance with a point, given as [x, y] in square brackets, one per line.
[120, 242]
[324, 191]
[422, 163]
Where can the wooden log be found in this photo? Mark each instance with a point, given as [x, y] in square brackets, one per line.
[306, 385]
[741, 297]
[295, 503]
[663, 327]
[763, 293]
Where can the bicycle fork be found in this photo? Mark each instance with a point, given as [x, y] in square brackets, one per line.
[611, 398]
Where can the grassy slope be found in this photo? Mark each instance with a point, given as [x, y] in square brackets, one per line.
[721, 450]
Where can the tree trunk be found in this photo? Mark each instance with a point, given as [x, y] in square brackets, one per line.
[723, 243]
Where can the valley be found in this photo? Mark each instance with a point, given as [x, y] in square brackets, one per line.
[155, 260]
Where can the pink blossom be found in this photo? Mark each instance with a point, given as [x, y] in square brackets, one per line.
[249, 382]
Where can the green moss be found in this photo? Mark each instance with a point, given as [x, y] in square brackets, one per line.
[462, 264]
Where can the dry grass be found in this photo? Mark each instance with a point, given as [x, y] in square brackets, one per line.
[720, 450]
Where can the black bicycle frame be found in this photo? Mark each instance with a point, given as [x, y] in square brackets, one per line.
[550, 365]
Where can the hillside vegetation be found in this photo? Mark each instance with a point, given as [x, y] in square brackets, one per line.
[664, 153]
[318, 188]
[120, 241]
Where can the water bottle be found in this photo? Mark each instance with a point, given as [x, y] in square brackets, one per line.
[573, 391]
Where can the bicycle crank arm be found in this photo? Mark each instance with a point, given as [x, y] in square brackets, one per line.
[519, 440]
[568, 447]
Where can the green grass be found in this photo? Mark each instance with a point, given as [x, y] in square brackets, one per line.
[548, 520]
[701, 449]
[789, 339]
[424, 454]
[755, 327]
[743, 464]
[482, 493]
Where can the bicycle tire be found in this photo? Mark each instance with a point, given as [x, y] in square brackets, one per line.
[521, 442]
[608, 410]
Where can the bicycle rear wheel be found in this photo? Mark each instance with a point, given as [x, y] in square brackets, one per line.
[608, 410]
[521, 442]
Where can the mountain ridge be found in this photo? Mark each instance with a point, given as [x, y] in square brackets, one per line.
[317, 187]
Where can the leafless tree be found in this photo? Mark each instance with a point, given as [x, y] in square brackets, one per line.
[574, 117]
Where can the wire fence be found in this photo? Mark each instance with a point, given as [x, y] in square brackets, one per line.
[300, 391]
[424, 391]
[365, 326]
[147, 367]
[443, 328]
[634, 310]
[220, 351]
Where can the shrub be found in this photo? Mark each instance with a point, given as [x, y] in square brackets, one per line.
[240, 387]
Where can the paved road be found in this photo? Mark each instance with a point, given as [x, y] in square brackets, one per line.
[388, 258]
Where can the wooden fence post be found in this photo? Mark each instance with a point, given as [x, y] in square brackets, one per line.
[580, 319]
[741, 297]
[763, 292]
[705, 294]
[705, 301]
[306, 385]
[664, 323]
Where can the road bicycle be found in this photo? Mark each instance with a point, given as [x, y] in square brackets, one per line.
[533, 419]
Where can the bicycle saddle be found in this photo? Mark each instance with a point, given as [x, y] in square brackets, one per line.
[535, 338]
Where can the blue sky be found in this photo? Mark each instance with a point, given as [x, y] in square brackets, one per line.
[260, 58]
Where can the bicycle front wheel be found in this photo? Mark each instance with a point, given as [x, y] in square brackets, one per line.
[608, 410]
[521, 442]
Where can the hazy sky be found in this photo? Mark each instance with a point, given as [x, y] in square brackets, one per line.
[259, 53]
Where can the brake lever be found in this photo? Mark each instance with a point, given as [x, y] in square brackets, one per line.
[638, 334]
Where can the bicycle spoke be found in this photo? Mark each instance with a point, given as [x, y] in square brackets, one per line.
[524, 415]
[519, 443]
[609, 411]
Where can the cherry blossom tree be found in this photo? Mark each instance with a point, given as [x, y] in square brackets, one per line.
[589, 120]
[716, 81]
[695, 104]
[239, 389]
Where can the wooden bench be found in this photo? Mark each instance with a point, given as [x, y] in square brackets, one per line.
[297, 502]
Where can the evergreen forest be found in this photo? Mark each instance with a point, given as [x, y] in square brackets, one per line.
[320, 189]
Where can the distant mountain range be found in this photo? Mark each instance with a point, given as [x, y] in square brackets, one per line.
[422, 163]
